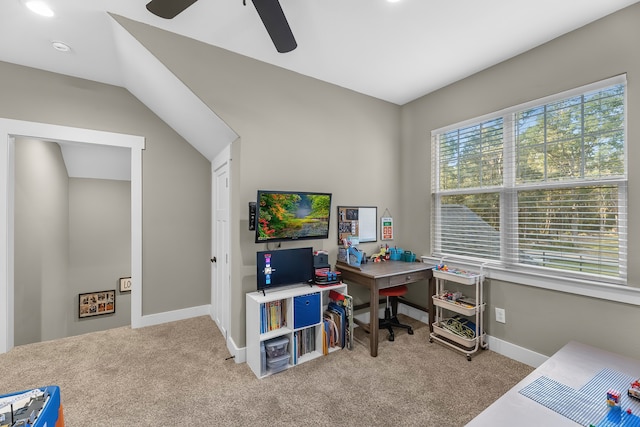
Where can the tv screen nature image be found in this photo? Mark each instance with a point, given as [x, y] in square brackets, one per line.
[292, 216]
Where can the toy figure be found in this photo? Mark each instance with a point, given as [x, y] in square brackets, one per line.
[613, 398]
[634, 390]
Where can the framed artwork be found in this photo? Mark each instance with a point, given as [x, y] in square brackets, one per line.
[125, 284]
[96, 303]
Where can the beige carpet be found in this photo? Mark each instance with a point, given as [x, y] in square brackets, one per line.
[176, 375]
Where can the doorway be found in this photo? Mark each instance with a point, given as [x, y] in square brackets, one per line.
[9, 129]
[220, 278]
[72, 235]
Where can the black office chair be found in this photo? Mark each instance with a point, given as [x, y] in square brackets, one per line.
[390, 320]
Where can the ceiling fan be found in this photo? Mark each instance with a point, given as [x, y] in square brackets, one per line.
[270, 12]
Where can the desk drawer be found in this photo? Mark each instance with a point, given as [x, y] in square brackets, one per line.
[409, 278]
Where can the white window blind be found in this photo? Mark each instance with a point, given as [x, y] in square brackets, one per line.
[537, 186]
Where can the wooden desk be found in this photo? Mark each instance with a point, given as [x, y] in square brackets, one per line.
[380, 275]
[574, 365]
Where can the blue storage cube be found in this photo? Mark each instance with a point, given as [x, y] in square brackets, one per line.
[306, 310]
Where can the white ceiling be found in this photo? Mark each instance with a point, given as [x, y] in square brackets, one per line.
[392, 51]
[396, 52]
[96, 161]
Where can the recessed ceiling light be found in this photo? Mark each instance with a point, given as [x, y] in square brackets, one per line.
[39, 7]
[393, 1]
[60, 46]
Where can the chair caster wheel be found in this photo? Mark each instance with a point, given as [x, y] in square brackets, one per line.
[410, 331]
[469, 358]
[391, 338]
[430, 340]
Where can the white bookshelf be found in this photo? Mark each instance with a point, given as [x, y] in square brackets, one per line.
[254, 335]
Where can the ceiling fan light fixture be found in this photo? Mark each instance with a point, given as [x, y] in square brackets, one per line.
[39, 7]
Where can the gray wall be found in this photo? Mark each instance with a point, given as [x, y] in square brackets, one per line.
[72, 236]
[41, 242]
[296, 133]
[300, 133]
[99, 249]
[288, 122]
[537, 319]
[176, 185]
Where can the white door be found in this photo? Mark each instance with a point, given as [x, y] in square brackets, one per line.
[220, 277]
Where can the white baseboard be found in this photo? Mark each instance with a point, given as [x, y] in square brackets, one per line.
[239, 353]
[505, 348]
[516, 352]
[172, 316]
[414, 313]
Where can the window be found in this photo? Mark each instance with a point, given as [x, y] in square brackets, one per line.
[540, 186]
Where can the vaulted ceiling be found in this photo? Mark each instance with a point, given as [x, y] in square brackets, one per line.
[395, 51]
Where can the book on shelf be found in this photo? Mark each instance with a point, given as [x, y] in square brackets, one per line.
[273, 315]
[339, 316]
[331, 328]
[348, 304]
[295, 353]
[326, 333]
[304, 342]
[338, 322]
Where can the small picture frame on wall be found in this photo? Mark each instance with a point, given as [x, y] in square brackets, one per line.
[96, 303]
[125, 284]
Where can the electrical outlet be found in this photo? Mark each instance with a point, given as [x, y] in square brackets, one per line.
[500, 315]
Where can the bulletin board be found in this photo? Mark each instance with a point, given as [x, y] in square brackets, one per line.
[359, 223]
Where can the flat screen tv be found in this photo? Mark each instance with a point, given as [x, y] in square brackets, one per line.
[284, 267]
[292, 215]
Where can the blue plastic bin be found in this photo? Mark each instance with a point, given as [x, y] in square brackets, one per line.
[306, 310]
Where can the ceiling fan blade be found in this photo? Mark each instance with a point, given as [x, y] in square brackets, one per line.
[168, 9]
[276, 24]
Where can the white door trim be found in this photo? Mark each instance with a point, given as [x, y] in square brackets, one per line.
[10, 128]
